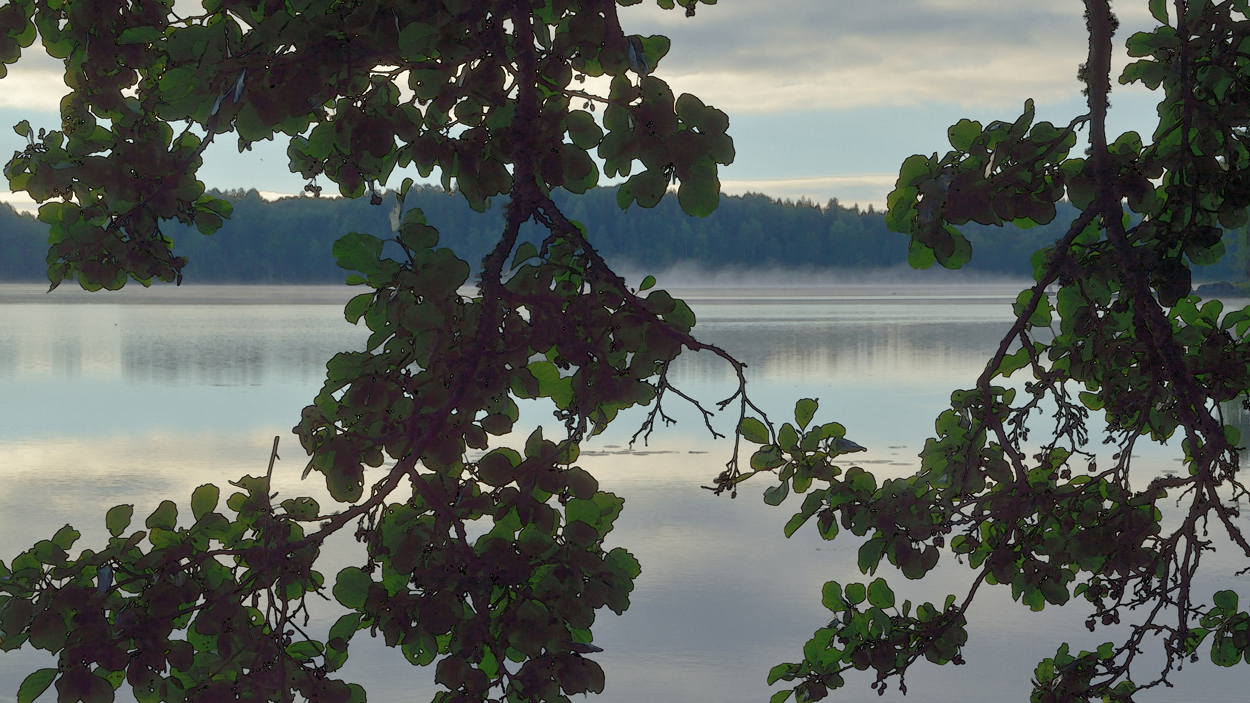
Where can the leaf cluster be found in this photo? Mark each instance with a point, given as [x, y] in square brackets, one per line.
[358, 88]
[481, 91]
[192, 612]
[882, 636]
[1110, 327]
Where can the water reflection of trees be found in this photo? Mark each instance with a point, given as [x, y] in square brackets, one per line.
[242, 356]
[825, 349]
[182, 344]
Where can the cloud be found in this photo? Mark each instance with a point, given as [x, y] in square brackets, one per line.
[863, 190]
[777, 55]
[19, 201]
[782, 55]
[812, 87]
[22, 202]
[36, 82]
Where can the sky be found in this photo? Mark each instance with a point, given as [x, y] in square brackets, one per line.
[826, 98]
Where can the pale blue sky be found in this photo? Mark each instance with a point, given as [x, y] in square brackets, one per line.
[825, 97]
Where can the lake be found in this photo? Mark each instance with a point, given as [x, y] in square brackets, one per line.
[141, 395]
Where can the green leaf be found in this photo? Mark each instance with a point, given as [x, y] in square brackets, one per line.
[827, 525]
[351, 588]
[23, 129]
[204, 500]
[804, 410]
[357, 306]
[1091, 400]
[655, 47]
[496, 468]
[303, 507]
[164, 517]
[767, 458]
[35, 684]
[358, 252]
[680, 316]
[796, 521]
[963, 133]
[578, 170]
[568, 454]
[320, 141]
[788, 437]
[551, 384]
[417, 39]
[586, 511]
[305, 650]
[140, 35]
[647, 188]
[880, 595]
[855, 593]
[782, 671]
[776, 494]
[1195, 638]
[870, 554]
[117, 519]
[842, 445]
[421, 649]
[523, 253]
[780, 696]
[698, 196]
[1041, 315]
[1224, 652]
[1012, 363]
[489, 664]
[207, 223]
[582, 129]
[831, 596]
[218, 206]
[920, 256]
[957, 253]
[621, 560]
[914, 167]
[1232, 435]
[753, 430]
[647, 283]
[1227, 601]
[345, 477]
[832, 429]
[66, 537]
[1159, 10]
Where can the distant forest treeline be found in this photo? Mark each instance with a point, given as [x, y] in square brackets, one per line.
[289, 241]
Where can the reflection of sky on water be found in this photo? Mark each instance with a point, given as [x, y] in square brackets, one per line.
[111, 403]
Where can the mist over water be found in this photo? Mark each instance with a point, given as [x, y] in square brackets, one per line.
[802, 277]
[138, 396]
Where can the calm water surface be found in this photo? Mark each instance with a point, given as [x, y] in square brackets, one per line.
[142, 395]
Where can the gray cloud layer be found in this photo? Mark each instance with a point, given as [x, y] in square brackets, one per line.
[776, 55]
[779, 55]
[826, 97]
